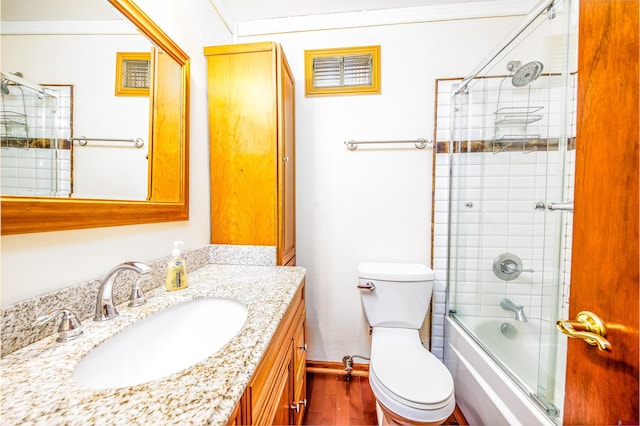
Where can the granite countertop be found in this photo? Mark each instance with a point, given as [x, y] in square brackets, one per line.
[38, 388]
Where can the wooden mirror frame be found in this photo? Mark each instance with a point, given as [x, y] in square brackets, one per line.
[21, 215]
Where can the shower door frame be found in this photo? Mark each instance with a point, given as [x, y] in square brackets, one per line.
[551, 401]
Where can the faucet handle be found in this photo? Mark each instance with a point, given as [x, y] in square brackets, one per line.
[137, 297]
[70, 327]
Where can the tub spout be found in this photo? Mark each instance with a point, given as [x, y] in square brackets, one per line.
[518, 310]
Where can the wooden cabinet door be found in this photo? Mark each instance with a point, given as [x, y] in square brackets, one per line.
[287, 168]
[300, 370]
[243, 144]
[284, 412]
[166, 130]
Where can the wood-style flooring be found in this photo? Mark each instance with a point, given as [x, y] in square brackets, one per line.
[335, 400]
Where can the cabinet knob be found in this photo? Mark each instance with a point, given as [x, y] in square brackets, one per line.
[296, 407]
[303, 347]
[285, 159]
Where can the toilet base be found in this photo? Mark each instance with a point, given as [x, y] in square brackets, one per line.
[387, 417]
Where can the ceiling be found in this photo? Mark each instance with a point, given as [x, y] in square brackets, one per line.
[250, 10]
[235, 10]
[67, 10]
[254, 17]
[259, 17]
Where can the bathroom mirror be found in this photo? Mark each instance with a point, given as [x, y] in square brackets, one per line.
[167, 195]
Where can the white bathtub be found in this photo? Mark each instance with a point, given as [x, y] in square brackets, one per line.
[484, 392]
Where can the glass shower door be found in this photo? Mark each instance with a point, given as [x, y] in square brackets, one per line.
[511, 155]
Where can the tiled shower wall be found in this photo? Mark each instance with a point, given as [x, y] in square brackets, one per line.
[32, 165]
[495, 209]
[42, 172]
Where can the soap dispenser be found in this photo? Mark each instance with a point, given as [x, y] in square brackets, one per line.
[176, 270]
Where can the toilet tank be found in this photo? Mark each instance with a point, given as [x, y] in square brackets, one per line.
[401, 296]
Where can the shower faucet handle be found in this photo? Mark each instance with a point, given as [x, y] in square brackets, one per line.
[367, 286]
[508, 266]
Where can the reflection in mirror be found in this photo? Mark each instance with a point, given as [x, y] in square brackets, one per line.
[104, 168]
[73, 65]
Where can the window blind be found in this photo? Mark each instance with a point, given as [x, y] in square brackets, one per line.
[340, 71]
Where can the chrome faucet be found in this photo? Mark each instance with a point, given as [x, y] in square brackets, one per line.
[518, 310]
[105, 309]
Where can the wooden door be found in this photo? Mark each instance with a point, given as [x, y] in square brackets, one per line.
[602, 387]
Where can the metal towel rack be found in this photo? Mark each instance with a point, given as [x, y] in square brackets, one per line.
[419, 143]
[82, 141]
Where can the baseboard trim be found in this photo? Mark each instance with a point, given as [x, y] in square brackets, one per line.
[331, 367]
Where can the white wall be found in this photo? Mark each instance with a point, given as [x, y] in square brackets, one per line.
[33, 264]
[370, 205]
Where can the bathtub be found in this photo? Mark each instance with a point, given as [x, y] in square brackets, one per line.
[486, 393]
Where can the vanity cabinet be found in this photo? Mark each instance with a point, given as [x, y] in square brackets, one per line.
[252, 147]
[276, 393]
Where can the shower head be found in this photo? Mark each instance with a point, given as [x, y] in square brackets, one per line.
[526, 73]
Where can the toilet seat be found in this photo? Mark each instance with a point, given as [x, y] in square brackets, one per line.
[407, 378]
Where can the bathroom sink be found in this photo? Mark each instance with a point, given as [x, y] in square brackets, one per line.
[164, 343]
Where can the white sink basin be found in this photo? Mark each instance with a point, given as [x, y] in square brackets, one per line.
[162, 344]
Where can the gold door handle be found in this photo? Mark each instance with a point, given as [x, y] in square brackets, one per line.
[587, 326]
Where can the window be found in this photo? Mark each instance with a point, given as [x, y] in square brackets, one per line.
[342, 71]
[132, 73]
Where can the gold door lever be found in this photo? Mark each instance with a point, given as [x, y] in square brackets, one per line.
[587, 326]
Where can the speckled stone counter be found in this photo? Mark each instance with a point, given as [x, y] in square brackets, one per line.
[38, 388]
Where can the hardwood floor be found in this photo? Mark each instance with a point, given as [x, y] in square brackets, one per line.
[334, 400]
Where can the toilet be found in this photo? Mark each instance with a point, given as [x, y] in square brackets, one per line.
[411, 386]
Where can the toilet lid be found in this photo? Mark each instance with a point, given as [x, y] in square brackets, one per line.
[407, 371]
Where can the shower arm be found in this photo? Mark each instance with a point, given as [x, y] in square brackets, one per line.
[538, 10]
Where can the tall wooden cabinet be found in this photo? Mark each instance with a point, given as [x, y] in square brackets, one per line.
[252, 147]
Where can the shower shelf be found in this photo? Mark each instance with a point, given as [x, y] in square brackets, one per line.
[517, 115]
[511, 126]
[516, 138]
[10, 118]
[14, 130]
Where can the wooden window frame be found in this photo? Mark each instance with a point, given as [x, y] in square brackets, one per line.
[121, 58]
[373, 88]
